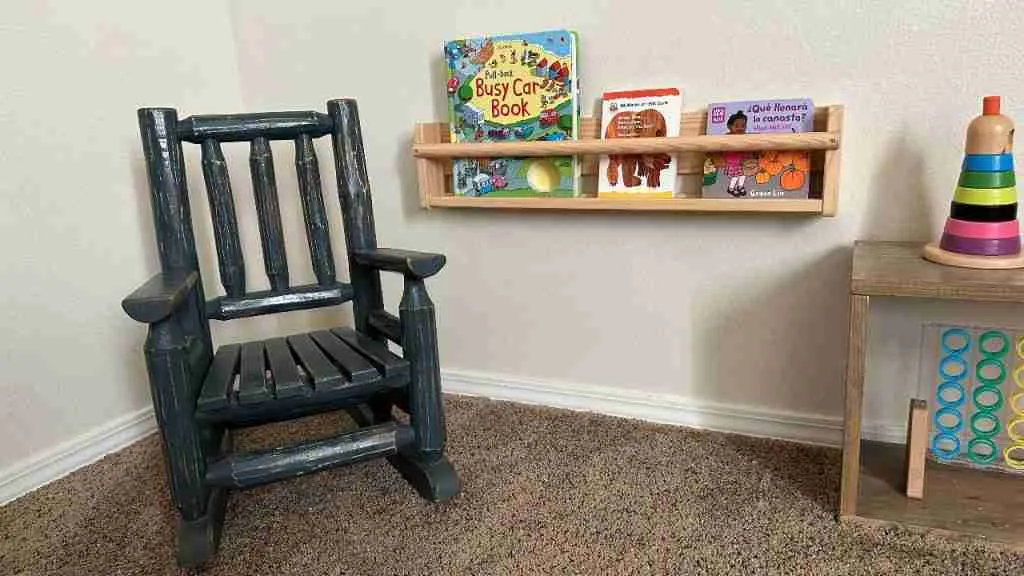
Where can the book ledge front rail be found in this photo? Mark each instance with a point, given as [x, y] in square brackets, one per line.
[434, 153]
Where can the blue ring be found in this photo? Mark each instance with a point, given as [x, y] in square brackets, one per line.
[945, 454]
[956, 332]
[956, 359]
[951, 384]
[949, 429]
[988, 162]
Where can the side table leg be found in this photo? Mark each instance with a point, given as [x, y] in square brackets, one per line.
[854, 400]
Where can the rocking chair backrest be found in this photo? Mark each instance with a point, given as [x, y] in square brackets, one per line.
[162, 135]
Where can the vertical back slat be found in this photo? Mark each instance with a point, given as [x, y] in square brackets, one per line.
[264, 184]
[225, 223]
[313, 210]
[356, 207]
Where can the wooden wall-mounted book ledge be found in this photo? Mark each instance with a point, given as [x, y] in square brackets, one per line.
[434, 153]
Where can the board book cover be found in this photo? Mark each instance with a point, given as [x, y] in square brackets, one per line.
[510, 88]
[767, 174]
[639, 114]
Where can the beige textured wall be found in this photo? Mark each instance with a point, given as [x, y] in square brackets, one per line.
[747, 310]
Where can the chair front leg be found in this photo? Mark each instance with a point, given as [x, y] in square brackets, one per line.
[419, 344]
[174, 385]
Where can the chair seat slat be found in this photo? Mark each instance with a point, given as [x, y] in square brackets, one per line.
[252, 386]
[323, 373]
[358, 370]
[217, 386]
[287, 381]
[376, 352]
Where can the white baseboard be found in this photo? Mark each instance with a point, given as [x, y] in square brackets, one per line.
[28, 475]
[59, 461]
[664, 408]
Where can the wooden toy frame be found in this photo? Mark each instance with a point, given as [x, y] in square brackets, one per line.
[433, 152]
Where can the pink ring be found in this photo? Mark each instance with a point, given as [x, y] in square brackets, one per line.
[984, 230]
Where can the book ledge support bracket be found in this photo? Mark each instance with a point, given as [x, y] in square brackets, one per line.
[434, 152]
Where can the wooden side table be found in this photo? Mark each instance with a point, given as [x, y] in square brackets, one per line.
[956, 499]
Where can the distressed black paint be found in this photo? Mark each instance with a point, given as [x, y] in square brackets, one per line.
[225, 223]
[193, 390]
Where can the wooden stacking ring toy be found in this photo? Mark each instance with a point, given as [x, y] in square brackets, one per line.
[987, 163]
[985, 196]
[983, 230]
[980, 246]
[976, 213]
[987, 179]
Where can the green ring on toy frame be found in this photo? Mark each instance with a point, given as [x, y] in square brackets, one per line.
[957, 360]
[1005, 179]
[978, 459]
[987, 336]
[994, 407]
[985, 433]
[985, 363]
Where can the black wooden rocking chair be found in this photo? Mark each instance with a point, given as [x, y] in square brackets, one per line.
[200, 395]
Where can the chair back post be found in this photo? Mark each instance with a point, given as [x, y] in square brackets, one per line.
[172, 217]
[356, 208]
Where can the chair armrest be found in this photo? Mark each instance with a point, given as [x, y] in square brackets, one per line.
[408, 262]
[160, 296]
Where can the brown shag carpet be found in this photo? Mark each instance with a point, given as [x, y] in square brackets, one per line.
[545, 492]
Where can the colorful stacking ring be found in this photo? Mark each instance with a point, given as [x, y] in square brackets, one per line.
[985, 338]
[958, 362]
[987, 163]
[1017, 404]
[1015, 463]
[1017, 437]
[949, 410]
[986, 230]
[942, 453]
[985, 196]
[985, 363]
[1018, 374]
[940, 394]
[975, 213]
[964, 337]
[988, 417]
[982, 458]
[987, 179]
[980, 246]
[993, 407]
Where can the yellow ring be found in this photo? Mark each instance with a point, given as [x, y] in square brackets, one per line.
[1020, 349]
[986, 196]
[1017, 404]
[1015, 463]
[1018, 376]
[1017, 438]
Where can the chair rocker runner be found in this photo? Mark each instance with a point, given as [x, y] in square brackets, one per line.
[201, 393]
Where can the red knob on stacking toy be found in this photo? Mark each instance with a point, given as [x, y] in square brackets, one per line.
[990, 105]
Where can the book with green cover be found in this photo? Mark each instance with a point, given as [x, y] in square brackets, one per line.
[518, 87]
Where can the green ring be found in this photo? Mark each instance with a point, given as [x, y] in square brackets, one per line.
[991, 407]
[970, 179]
[993, 334]
[986, 196]
[988, 361]
[981, 433]
[982, 459]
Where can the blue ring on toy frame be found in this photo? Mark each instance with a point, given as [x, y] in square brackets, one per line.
[947, 384]
[955, 332]
[956, 359]
[990, 361]
[987, 162]
[941, 453]
[995, 407]
[991, 418]
[974, 457]
[1001, 336]
[949, 429]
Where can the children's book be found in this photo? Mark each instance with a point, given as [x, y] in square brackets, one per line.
[508, 88]
[639, 114]
[768, 174]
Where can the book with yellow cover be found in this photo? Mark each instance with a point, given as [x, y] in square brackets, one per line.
[508, 88]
